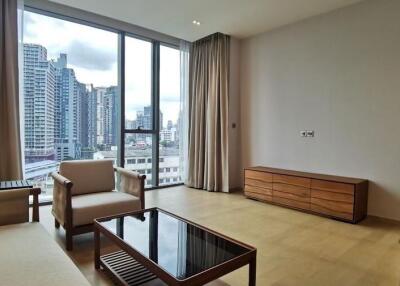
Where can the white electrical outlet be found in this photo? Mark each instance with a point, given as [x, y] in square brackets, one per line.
[310, 133]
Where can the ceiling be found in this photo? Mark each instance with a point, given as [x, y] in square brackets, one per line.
[239, 18]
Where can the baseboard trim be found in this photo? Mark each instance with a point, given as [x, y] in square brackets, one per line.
[236, 190]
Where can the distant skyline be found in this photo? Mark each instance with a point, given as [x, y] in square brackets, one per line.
[93, 54]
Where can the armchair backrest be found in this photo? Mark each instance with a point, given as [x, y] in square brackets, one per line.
[14, 206]
[89, 176]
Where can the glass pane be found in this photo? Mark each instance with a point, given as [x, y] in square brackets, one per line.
[138, 154]
[70, 95]
[138, 111]
[169, 172]
[179, 247]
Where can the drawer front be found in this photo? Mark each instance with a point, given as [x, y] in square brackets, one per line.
[332, 208]
[332, 196]
[291, 203]
[257, 190]
[259, 197]
[257, 175]
[332, 187]
[291, 196]
[258, 183]
[296, 190]
[291, 180]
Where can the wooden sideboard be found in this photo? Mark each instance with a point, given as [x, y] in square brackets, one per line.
[332, 196]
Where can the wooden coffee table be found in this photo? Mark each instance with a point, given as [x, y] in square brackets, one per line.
[155, 243]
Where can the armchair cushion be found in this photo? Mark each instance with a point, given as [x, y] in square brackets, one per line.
[85, 208]
[89, 176]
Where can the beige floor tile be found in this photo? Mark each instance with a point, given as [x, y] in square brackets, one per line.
[293, 248]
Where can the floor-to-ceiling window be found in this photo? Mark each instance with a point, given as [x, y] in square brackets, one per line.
[70, 95]
[73, 99]
[170, 127]
[139, 127]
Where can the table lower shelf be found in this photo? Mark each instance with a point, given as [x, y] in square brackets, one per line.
[125, 270]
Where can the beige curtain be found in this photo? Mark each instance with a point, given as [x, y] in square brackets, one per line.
[10, 149]
[208, 115]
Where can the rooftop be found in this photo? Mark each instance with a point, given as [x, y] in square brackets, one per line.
[130, 152]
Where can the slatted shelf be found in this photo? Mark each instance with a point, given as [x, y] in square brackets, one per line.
[5, 185]
[127, 269]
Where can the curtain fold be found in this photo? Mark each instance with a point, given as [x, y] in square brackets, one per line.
[208, 115]
[10, 144]
[184, 48]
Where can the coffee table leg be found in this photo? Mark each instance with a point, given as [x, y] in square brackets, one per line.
[96, 248]
[252, 271]
[35, 206]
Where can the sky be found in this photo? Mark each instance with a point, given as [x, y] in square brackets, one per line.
[93, 54]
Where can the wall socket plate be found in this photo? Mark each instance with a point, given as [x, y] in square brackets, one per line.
[310, 133]
[307, 133]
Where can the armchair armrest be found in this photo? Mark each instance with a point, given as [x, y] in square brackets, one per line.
[131, 183]
[61, 180]
[61, 198]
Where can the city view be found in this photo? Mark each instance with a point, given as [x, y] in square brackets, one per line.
[65, 118]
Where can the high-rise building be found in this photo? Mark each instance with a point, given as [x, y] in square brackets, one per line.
[92, 116]
[169, 125]
[161, 120]
[83, 97]
[110, 116]
[168, 135]
[100, 91]
[144, 119]
[39, 84]
[67, 116]
[130, 124]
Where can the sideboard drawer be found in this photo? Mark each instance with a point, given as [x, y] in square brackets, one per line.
[332, 196]
[259, 176]
[291, 180]
[332, 208]
[259, 196]
[332, 187]
[290, 203]
[258, 183]
[257, 190]
[290, 191]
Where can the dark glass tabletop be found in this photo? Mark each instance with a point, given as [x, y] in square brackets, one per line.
[179, 247]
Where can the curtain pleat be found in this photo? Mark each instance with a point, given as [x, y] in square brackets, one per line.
[184, 48]
[208, 129]
[10, 146]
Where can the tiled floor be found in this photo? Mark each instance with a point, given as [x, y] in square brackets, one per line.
[294, 248]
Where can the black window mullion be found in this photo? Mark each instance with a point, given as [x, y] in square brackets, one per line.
[156, 110]
[121, 79]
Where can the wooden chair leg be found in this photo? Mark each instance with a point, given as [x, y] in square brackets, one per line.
[68, 235]
[56, 223]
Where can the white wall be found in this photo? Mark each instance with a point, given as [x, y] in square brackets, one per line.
[235, 180]
[337, 74]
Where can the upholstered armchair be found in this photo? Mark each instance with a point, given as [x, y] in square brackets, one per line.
[85, 190]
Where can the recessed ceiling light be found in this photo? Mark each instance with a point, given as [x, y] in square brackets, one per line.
[195, 22]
